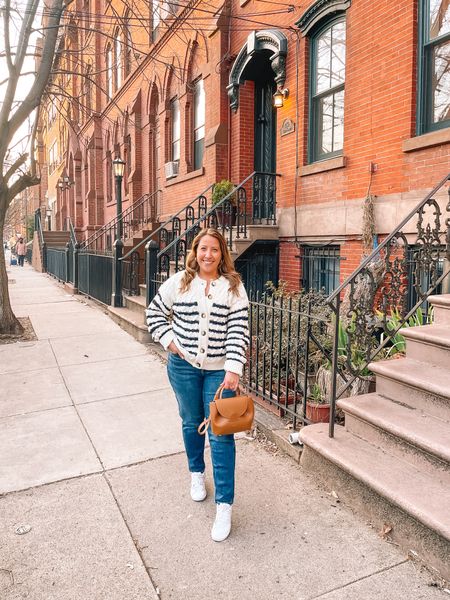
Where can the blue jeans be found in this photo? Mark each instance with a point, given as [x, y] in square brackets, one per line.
[194, 390]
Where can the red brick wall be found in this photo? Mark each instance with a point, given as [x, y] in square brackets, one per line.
[380, 92]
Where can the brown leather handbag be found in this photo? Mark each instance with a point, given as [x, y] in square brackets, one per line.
[228, 415]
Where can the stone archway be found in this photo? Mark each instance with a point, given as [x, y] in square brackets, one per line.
[270, 42]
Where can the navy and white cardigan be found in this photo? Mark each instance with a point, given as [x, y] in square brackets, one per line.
[210, 331]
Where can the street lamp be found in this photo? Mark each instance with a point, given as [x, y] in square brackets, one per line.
[279, 97]
[117, 299]
[119, 168]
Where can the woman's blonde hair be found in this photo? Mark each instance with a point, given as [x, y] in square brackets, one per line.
[226, 266]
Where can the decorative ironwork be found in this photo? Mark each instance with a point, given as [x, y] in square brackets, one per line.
[134, 218]
[131, 274]
[373, 304]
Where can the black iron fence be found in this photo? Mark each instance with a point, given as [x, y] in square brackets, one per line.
[290, 340]
[95, 276]
[56, 263]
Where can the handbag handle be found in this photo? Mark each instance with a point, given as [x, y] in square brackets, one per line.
[218, 394]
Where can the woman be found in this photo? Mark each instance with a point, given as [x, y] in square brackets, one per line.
[200, 315]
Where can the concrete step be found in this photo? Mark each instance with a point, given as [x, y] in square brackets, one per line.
[408, 433]
[413, 503]
[56, 239]
[137, 305]
[441, 305]
[428, 342]
[416, 384]
[130, 322]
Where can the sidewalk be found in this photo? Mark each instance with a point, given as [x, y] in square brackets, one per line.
[91, 459]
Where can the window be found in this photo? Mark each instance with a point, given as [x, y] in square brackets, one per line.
[118, 60]
[175, 129]
[327, 79]
[434, 66]
[109, 176]
[109, 72]
[128, 44]
[156, 18]
[88, 91]
[199, 123]
[53, 157]
[321, 268]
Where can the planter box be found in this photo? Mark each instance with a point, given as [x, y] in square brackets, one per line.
[317, 413]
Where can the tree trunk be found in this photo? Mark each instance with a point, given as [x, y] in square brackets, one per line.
[9, 324]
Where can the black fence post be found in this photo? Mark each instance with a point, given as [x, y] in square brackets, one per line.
[116, 297]
[151, 263]
[76, 250]
[66, 278]
[44, 257]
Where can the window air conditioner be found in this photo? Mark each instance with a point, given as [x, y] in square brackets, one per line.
[171, 169]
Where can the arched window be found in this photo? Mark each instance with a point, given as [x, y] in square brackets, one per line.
[109, 72]
[128, 45]
[118, 60]
[198, 120]
[434, 66]
[175, 129]
[326, 84]
[155, 18]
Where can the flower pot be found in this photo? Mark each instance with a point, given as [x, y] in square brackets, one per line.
[226, 219]
[317, 413]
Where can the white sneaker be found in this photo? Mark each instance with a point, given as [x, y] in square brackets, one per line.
[222, 525]
[198, 489]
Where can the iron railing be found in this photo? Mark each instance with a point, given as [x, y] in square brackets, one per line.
[56, 263]
[133, 269]
[134, 218]
[371, 305]
[289, 339]
[41, 241]
[95, 276]
[231, 215]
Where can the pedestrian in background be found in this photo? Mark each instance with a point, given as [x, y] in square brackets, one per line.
[21, 250]
[200, 315]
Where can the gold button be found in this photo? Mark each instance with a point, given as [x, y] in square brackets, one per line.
[198, 364]
[203, 315]
[210, 296]
[202, 350]
[203, 332]
[213, 283]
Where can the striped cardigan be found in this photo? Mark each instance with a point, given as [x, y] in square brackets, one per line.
[210, 331]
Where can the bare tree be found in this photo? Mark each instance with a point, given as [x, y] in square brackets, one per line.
[18, 168]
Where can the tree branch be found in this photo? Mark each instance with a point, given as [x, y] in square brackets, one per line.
[13, 168]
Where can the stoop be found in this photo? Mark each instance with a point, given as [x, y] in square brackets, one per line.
[132, 316]
[391, 461]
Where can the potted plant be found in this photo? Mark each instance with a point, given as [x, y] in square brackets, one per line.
[226, 212]
[317, 406]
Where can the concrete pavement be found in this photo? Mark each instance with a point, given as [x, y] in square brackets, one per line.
[92, 466]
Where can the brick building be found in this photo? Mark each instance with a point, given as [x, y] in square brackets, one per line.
[184, 92]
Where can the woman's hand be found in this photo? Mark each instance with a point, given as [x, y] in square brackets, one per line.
[231, 381]
[172, 348]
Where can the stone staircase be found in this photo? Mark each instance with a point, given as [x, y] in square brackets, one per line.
[131, 316]
[56, 239]
[391, 461]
